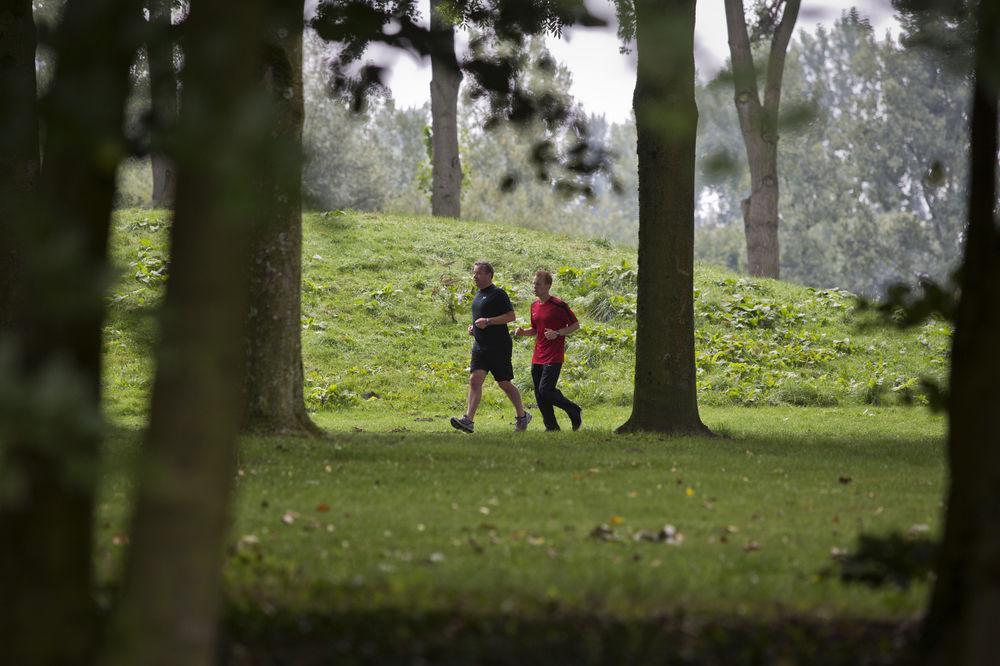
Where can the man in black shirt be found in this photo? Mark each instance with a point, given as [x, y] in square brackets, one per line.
[491, 348]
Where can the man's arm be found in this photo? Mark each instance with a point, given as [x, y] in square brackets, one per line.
[503, 319]
[564, 332]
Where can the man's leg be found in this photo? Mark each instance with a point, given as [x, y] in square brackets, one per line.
[544, 406]
[552, 395]
[476, 379]
[508, 387]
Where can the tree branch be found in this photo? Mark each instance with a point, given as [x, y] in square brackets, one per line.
[776, 60]
[744, 72]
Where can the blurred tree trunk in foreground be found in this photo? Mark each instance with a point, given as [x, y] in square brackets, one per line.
[19, 162]
[168, 613]
[961, 623]
[51, 413]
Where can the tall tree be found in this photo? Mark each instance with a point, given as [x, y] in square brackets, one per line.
[273, 382]
[19, 162]
[446, 77]
[759, 124]
[163, 93]
[169, 607]
[960, 627]
[51, 413]
[665, 397]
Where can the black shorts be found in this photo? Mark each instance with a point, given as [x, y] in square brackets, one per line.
[498, 363]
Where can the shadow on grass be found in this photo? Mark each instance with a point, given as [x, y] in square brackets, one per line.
[395, 637]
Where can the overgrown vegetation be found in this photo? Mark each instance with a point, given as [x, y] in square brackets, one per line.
[385, 308]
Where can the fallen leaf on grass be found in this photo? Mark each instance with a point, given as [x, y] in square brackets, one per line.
[289, 517]
[844, 480]
[689, 491]
[919, 528]
[604, 533]
[668, 534]
[120, 539]
[322, 507]
[750, 547]
[535, 540]
[617, 520]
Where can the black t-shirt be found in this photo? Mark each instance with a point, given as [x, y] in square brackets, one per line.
[491, 302]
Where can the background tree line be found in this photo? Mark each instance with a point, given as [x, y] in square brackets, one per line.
[872, 162]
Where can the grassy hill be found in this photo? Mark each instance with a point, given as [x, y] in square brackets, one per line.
[386, 305]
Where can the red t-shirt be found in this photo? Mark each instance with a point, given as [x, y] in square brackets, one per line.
[554, 314]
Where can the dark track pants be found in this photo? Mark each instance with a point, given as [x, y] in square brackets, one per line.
[544, 378]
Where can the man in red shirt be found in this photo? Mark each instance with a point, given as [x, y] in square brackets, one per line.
[551, 322]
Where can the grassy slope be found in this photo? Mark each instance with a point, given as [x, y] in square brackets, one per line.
[398, 513]
[375, 315]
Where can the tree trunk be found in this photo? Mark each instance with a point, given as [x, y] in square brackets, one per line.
[665, 398]
[19, 163]
[759, 126]
[53, 430]
[172, 584]
[163, 89]
[760, 209]
[961, 623]
[446, 191]
[273, 385]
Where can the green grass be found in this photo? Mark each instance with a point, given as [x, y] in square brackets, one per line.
[397, 522]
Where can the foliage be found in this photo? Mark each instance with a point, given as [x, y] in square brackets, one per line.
[321, 393]
[896, 558]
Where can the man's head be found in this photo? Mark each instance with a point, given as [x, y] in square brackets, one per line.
[542, 284]
[482, 274]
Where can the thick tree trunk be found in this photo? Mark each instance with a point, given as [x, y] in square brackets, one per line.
[961, 623]
[163, 88]
[172, 586]
[18, 147]
[665, 398]
[759, 126]
[273, 385]
[446, 77]
[47, 615]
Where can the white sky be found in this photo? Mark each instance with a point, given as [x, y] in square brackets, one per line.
[603, 79]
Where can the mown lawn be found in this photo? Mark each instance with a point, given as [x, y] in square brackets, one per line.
[398, 519]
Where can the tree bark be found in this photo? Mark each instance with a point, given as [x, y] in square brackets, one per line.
[273, 384]
[446, 77]
[53, 431]
[960, 626]
[759, 126]
[665, 398]
[19, 164]
[172, 584]
[163, 88]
